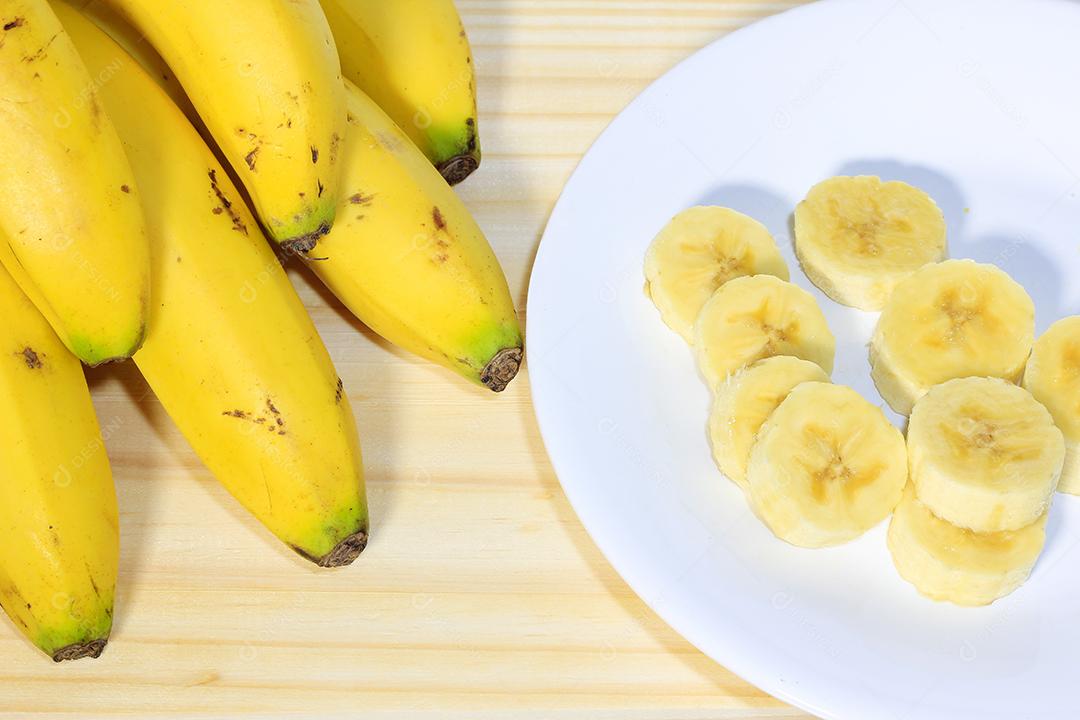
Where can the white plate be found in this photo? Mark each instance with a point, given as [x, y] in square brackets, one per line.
[977, 102]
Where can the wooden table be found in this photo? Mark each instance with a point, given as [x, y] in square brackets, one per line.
[480, 594]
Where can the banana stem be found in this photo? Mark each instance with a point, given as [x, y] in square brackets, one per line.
[344, 553]
[78, 651]
[502, 369]
[458, 168]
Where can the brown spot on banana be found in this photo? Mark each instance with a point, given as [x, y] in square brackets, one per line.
[335, 144]
[271, 420]
[31, 358]
[41, 52]
[226, 205]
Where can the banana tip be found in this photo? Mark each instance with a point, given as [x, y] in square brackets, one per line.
[502, 369]
[458, 168]
[303, 244]
[78, 651]
[344, 553]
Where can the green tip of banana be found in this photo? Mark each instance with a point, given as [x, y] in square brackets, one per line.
[465, 161]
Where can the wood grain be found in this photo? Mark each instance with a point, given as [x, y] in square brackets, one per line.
[480, 594]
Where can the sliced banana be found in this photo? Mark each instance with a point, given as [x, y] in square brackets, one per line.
[1053, 377]
[827, 466]
[858, 237]
[945, 562]
[950, 320]
[984, 454]
[745, 401]
[752, 318]
[697, 252]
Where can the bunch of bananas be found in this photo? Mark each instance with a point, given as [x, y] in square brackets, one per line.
[970, 486]
[150, 150]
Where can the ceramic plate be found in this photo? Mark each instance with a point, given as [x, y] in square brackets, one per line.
[978, 103]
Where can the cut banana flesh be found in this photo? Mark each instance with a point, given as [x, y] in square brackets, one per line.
[1053, 377]
[745, 401]
[827, 466]
[945, 562]
[984, 454]
[950, 320]
[858, 237]
[697, 252]
[753, 318]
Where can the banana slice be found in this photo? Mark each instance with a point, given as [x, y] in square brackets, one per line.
[745, 401]
[858, 237]
[984, 454]
[827, 466]
[945, 562]
[700, 250]
[1053, 377]
[752, 318]
[950, 320]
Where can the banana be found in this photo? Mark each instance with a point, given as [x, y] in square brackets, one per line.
[945, 562]
[412, 57]
[1053, 377]
[984, 454]
[60, 547]
[405, 250]
[265, 78]
[950, 320]
[76, 240]
[231, 354]
[745, 401]
[139, 48]
[697, 252]
[407, 258]
[827, 466]
[857, 237]
[752, 318]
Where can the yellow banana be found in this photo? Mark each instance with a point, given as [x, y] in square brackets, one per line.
[231, 352]
[76, 241]
[108, 18]
[60, 545]
[265, 77]
[412, 57]
[409, 260]
[405, 255]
